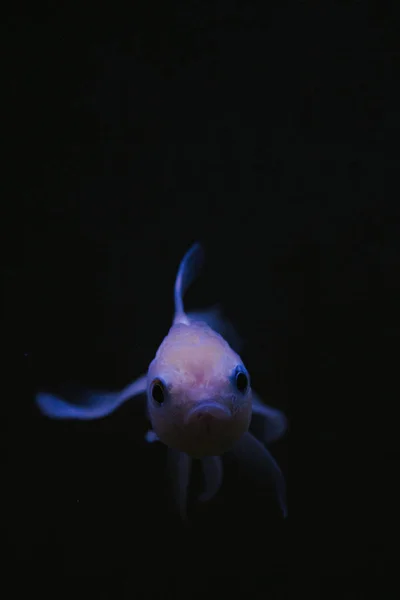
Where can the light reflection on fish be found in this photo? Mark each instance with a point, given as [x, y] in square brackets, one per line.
[199, 399]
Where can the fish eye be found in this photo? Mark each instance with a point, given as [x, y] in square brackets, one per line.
[158, 391]
[241, 379]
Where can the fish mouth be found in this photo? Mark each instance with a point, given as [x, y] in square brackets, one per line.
[208, 409]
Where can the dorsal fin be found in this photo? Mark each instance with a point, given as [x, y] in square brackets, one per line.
[188, 270]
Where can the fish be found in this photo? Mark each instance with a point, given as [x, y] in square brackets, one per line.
[200, 402]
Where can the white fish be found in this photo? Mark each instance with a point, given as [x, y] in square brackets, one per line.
[199, 398]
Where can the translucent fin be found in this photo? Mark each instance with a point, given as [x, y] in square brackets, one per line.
[275, 422]
[188, 269]
[213, 471]
[214, 319]
[180, 465]
[135, 388]
[151, 437]
[88, 404]
[260, 462]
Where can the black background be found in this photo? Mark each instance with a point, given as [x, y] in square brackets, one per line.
[266, 133]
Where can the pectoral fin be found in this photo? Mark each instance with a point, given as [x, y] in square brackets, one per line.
[275, 422]
[88, 404]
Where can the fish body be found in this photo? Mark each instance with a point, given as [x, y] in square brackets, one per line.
[203, 413]
[199, 398]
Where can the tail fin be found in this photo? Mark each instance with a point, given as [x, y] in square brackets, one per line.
[188, 270]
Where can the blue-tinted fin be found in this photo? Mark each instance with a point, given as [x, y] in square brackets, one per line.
[135, 388]
[213, 471]
[188, 269]
[151, 437]
[261, 464]
[275, 422]
[180, 466]
[88, 404]
[214, 319]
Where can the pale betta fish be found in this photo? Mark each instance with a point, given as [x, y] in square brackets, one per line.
[199, 399]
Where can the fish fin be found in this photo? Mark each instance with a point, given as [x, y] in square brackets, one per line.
[188, 270]
[214, 318]
[213, 471]
[180, 466]
[275, 422]
[88, 404]
[151, 436]
[255, 456]
[135, 388]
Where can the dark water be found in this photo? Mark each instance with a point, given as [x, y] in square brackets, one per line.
[265, 134]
